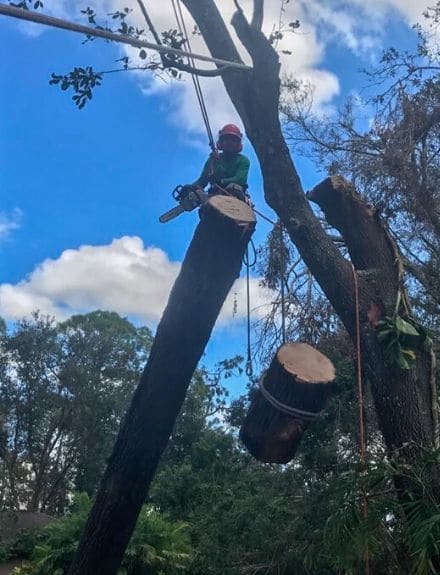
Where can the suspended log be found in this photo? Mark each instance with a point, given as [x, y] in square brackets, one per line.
[290, 394]
[212, 263]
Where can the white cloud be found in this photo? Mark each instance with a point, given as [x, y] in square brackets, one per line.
[124, 276]
[361, 26]
[9, 222]
[410, 10]
[179, 96]
[358, 25]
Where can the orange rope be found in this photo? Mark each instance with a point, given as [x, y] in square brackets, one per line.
[361, 409]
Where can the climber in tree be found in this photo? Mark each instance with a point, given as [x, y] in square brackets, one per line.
[227, 170]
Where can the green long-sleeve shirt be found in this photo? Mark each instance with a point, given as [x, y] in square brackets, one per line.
[228, 169]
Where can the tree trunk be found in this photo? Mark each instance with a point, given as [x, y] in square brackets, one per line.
[212, 263]
[291, 393]
[403, 398]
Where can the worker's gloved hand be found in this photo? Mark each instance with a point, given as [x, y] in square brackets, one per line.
[184, 191]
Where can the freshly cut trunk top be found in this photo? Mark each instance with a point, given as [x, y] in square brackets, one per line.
[232, 208]
[306, 363]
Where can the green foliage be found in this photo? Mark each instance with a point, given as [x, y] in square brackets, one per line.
[237, 515]
[422, 535]
[28, 4]
[402, 338]
[63, 391]
[157, 543]
[82, 81]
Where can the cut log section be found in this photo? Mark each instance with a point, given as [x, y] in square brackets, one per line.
[290, 394]
[211, 265]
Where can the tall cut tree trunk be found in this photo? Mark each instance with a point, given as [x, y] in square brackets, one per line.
[212, 263]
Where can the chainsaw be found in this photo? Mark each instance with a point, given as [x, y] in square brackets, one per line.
[189, 197]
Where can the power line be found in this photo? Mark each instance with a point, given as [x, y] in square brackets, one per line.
[37, 18]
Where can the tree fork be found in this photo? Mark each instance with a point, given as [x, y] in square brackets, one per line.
[212, 263]
[402, 398]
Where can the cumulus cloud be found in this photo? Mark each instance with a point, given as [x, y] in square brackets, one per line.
[124, 276]
[358, 25]
[179, 97]
[304, 62]
[9, 221]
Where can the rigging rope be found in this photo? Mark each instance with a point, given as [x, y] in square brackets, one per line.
[361, 409]
[249, 369]
[282, 277]
[197, 87]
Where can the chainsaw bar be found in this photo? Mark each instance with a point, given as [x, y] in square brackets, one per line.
[171, 214]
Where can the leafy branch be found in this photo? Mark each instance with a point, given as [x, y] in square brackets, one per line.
[402, 338]
[81, 80]
[27, 4]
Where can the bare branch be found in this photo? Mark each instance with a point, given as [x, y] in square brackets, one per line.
[258, 15]
[197, 71]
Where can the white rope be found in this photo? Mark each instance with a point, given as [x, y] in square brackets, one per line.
[286, 409]
[197, 87]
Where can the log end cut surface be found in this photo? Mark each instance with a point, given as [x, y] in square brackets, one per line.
[232, 208]
[305, 363]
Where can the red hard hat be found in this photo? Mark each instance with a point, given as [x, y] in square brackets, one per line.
[230, 130]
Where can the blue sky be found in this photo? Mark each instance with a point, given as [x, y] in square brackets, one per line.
[81, 191]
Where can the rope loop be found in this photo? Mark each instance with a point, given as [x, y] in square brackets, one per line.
[283, 408]
[246, 260]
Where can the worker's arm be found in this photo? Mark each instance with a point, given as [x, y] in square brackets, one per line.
[205, 177]
[241, 174]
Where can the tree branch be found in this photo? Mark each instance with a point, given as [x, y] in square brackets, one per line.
[258, 15]
[258, 46]
[197, 71]
[169, 63]
[369, 243]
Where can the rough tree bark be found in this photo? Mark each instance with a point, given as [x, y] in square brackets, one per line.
[402, 398]
[212, 263]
